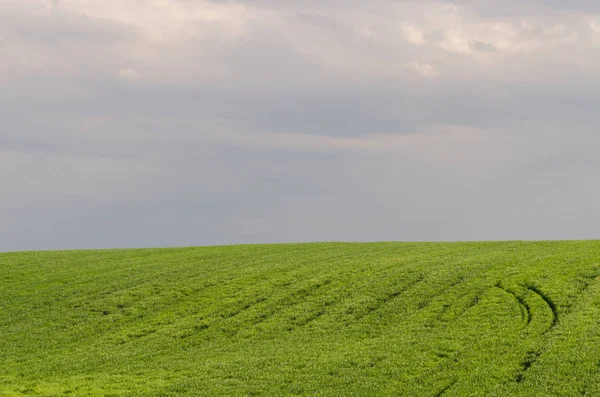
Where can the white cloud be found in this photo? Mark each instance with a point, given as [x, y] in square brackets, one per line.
[425, 69]
[413, 35]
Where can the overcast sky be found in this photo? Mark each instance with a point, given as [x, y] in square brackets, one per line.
[137, 123]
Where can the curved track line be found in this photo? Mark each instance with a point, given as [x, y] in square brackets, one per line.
[549, 302]
[523, 306]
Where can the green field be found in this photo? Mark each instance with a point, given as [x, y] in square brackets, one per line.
[329, 319]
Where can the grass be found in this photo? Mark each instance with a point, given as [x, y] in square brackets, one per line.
[405, 319]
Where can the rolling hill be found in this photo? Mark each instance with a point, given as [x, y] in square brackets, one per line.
[327, 319]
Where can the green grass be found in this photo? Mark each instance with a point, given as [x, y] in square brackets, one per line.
[418, 319]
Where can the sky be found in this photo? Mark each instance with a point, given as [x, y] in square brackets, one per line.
[154, 123]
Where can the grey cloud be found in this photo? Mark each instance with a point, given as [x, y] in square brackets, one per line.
[31, 23]
[532, 7]
[482, 46]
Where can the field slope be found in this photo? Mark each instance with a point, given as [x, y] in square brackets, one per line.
[404, 319]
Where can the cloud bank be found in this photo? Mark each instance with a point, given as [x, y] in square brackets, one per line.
[182, 122]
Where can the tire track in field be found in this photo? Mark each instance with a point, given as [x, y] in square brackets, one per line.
[427, 300]
[288, 301]
[533, 355]
[389, 297]
[530, 358]
[243, 307]
[526, 312]
[548, 302]
[266, 306]
[460, 279]
[475, 272]
[445, 389]
[523, 306]
[337, 298]
[336, 284]
[311, 318]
